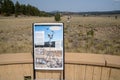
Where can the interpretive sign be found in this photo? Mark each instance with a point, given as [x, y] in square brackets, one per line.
[48, 46]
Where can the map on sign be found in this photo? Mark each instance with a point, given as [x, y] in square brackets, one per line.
[48, 46]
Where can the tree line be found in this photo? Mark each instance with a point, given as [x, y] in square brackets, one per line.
[8, 8]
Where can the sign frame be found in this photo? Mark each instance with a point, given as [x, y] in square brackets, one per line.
[45, 47]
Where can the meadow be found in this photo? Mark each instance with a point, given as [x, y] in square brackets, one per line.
[92, 34]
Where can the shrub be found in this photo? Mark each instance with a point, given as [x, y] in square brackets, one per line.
[57, 17]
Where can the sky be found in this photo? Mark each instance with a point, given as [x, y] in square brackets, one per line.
[58, 32]
[73, 5]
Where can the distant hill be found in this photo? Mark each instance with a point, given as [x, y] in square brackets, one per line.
[101, 12]
[88, 13]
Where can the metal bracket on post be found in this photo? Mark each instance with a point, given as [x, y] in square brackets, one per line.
[27, 77]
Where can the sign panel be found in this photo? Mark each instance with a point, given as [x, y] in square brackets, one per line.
[48, 46]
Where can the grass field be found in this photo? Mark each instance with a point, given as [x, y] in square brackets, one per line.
[82, 34]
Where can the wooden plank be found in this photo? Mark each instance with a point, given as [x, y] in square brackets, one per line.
[79, 72]
[67, 67]
[2, 73]
[75, 58]
[112, 61]
[97, 73]
[89, 73]
[37, 74]
[40, 74]
[1, 70]
[44, 74]
[10, 72]
[5, 77]
[79, 58]
[76, 69]
[61, 75]
[27, 69]
[53, 74]
[82, 58]
[31, 70]
[75, 72]
[69, 72]
[16, 72]
[115, 74]
[105, 73]
[17, 58]
[72, 71]
[56, 75]
[49, 74]
[73, 68]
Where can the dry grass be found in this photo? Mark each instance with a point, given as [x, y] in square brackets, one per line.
[16, 34]
[105, 40]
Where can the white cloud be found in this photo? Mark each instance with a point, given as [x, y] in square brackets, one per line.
[55, 28]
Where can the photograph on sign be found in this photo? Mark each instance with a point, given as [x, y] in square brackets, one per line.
[48, 46]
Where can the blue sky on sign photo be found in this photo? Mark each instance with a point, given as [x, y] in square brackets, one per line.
[73, 5]
[57, 32]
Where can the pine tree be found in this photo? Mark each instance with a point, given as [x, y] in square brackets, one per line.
[17, 9]
[12, 7]
[7, 7]
[1, 3]
[23, 9]
[28, 9]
